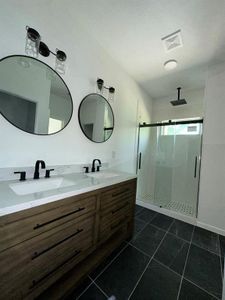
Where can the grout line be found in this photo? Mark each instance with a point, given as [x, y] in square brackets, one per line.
[109, 263]
[100, 289]
[134, 237]
[149, 262]
[182, 276]
[140, 250]
[85, 289]
[221, 263]
[162, 264]
[159, 262]
[147, 223]
[201, 288]
[205, 249]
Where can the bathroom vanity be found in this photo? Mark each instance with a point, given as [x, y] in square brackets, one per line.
[47, 249]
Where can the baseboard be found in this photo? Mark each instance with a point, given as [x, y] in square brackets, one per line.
[167, 212]
[211, 228]
[181, 217]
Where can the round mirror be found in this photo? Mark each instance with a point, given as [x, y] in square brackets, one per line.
[33, 97]
[96, 118]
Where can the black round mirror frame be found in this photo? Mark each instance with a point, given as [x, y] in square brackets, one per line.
[41, 134]
[113, 118]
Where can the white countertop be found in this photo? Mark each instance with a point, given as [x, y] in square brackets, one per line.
[10, 202]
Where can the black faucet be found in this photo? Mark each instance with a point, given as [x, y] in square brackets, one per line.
[93, 165]
[36, 172]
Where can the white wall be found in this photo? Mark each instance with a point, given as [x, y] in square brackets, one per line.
[86, 61]
[212, 183]
[163, 110]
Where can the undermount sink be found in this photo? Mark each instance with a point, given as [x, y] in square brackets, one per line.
[102, 175]
[40, 185]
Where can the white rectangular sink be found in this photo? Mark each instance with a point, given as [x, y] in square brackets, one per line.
[40, 185]
[102, 175]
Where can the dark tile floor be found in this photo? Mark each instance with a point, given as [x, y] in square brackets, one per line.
[166, 259]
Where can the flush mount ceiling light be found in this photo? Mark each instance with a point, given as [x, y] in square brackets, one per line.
[35, 46]
[170, 64]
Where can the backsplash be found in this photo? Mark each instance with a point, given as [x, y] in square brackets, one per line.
[8, 173]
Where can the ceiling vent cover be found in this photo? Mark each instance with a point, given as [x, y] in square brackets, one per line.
[172, 41]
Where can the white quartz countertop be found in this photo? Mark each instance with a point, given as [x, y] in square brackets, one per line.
[11, 202]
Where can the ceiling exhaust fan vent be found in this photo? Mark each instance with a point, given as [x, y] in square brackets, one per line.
[172, 41]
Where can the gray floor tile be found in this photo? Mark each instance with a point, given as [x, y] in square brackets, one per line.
[148, 240]
[92, 293]
[138, 226]
[121, 276]
[157, 283]
[106, 262]
[206, 239]
[146, 215]
[203, 268]
[138, 209]
[162, 221]
[190, 291]
[182, 230]
[173, 253]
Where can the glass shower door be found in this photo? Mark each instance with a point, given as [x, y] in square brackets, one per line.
[170, 164]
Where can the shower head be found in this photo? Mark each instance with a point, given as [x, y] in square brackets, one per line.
[178, 101]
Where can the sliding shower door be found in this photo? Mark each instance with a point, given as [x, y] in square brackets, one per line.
[169, 164]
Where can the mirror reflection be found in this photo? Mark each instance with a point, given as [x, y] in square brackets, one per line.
[96, 118]
[33, 97]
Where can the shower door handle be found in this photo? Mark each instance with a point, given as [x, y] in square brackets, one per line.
[196, 162]
[139, 163]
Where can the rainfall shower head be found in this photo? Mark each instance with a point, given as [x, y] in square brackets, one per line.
[178, 101]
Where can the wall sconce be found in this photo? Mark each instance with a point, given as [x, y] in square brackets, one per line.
[101, 87]
[34, 46]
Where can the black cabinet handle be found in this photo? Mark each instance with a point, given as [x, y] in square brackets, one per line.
[118, 209]
[61, 217]
[36, 254]
[22, 175]
[35, 282]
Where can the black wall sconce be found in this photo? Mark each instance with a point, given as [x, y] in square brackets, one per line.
[35, 46]
[101, 87]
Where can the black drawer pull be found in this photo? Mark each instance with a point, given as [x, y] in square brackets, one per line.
[118, 209]
[119, 223]
[36, 254]
[35, 282]
[120, 193]
[61, 217]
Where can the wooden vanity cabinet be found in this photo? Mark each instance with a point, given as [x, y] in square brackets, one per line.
[46, 251]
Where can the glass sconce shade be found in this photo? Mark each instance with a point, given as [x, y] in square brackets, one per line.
[111, 93]
[100, 85]
[60, 61]
[32, 42]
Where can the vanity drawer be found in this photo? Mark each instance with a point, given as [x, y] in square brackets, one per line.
[107, 229]
[38, 259]
[115, 212]
[118, 195]
[14, 230]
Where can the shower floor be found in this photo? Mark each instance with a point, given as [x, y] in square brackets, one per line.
[183, 208]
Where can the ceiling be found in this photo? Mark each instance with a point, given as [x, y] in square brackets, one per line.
[131, 31]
